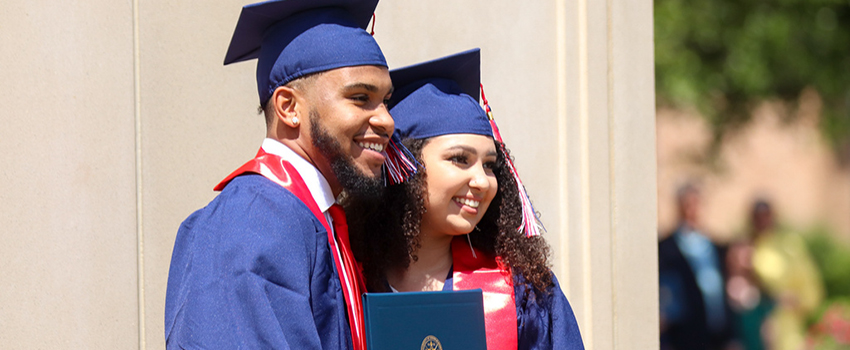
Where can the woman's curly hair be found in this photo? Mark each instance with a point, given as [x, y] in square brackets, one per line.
[385, 235]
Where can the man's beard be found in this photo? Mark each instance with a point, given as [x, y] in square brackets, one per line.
[357, 185]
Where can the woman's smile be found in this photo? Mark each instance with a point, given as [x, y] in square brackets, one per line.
[460, 182]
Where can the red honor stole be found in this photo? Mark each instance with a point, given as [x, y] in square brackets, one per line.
[485, 272]
[279, 171]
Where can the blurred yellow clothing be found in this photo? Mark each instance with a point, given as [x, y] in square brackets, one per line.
[789, 275]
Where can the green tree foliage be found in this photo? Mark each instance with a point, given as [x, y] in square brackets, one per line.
[723, 56]
[833, 260]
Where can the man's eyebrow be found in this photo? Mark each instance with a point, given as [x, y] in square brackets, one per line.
[359, 86]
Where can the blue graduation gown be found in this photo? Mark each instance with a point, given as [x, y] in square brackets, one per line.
[548, 323]
[253, 269]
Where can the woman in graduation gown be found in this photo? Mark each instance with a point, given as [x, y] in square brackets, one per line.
[463, 221]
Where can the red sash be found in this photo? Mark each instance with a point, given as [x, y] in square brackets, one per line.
[279, 171]
[487, 273]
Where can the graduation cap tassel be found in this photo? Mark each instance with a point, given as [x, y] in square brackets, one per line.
[531, 224]
[373, 24]
[400, 164]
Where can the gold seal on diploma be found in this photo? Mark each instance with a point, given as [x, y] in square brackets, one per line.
[431, 343]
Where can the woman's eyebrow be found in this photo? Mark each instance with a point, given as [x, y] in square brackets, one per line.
[463, 148]
[471, 150]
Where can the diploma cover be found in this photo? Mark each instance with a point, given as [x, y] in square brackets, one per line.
[425, 320]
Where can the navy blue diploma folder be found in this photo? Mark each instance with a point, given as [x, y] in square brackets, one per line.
[425, 320]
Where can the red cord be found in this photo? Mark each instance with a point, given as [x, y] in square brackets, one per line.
[486, 104]
[373, 24]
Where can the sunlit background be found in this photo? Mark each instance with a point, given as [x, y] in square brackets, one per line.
[753, 103]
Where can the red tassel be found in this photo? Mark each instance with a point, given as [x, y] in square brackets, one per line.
[531, 224]
[400, 164]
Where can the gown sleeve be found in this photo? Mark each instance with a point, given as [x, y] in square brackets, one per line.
[565, 332]
[547, 321]
[253, 270]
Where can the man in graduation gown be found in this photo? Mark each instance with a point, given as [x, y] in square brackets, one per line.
[267, 264]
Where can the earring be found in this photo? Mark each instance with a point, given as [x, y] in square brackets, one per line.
[295, 120]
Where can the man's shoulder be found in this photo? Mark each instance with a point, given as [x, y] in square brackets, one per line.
[253, 192]
[669, 254]
[667, 243]
[255, 184]
[252, 202]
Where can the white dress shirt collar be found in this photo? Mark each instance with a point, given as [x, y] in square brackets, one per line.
[315, 181]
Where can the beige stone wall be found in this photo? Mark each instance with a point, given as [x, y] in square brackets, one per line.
[67, 184]
[119, 118]
[789, 164]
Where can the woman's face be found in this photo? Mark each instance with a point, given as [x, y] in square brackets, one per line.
[460, 181]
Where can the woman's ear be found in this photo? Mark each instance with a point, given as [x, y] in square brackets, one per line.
[285, 101]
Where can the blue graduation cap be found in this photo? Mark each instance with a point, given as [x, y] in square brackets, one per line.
[294, 38]
[439, 97]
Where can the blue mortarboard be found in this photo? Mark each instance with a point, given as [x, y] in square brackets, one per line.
[294, 38]
[439, 97]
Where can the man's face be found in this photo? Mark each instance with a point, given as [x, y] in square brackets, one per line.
[361, 186]
[762, 219]
[348, 112]
[689, 207]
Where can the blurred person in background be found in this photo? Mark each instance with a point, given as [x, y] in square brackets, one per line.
[748, 301]
[789, 276]
[694, 310]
